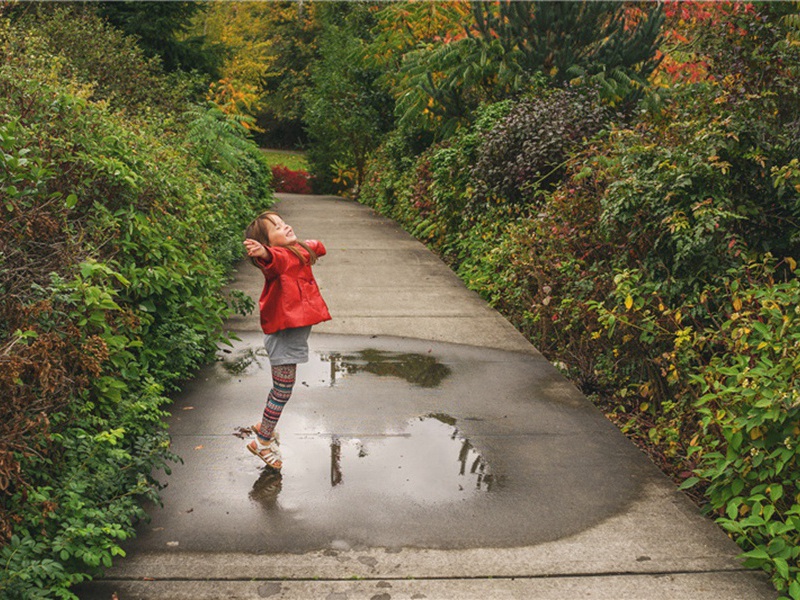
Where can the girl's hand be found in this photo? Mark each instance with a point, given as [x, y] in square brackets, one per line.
[256, 249]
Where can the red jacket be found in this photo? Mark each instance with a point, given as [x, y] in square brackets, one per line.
[290, 297]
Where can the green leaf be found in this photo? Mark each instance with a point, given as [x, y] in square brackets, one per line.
[757, 553]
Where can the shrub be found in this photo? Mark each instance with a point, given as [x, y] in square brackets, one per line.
[289, 181]
[92, 53]
[432, 194]
[116, 232]
[525, 151]
[748, 397]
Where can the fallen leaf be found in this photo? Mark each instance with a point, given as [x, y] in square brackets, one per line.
[198, 447]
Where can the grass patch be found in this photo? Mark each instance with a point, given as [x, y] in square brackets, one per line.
[295, 161]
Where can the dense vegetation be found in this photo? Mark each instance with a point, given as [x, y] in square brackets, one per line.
[621, 180]
[124, 195]
[635, 213]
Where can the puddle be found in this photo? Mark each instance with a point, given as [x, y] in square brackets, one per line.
[241, 362]
[390, 442]
[418, 369]
[426, 462]
[329, 368]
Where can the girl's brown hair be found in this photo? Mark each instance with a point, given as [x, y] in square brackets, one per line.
[258, 231]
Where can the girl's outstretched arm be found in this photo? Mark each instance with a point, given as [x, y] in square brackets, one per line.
[257, 250]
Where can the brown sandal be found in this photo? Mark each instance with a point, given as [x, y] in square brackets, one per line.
[271, 455]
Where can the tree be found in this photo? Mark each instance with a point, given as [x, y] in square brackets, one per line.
[511, 46]
[267, 49]
[158, 27]
[347, 112]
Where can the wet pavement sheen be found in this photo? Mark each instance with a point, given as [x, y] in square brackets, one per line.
[389, 442]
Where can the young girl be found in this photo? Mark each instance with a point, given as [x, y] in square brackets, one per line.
[290, 304]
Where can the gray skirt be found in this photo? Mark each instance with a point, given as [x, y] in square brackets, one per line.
[288, 346]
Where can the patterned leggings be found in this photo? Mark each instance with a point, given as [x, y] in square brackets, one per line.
[282, 383]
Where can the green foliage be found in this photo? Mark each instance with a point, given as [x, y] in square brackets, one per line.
[513, 47]
[657, 271]
[697, 190]
[444, 85]
[119, 221]
[158, 29]
[561, 40]
[433, 195]
[346, 112]
[102, 58]
[749, 408]
[219, 140]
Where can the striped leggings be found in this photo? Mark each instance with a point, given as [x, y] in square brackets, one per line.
[283, 377]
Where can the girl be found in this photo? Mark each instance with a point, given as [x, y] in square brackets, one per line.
[290, 304]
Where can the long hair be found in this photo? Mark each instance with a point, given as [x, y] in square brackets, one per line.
[259, 231]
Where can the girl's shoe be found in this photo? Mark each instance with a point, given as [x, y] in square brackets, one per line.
[271, 455]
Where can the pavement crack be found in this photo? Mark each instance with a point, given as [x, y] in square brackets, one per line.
[384, 578]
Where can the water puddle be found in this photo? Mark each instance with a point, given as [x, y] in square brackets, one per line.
[329, 368]
[418, 369]
[427, 462]
[337, 456]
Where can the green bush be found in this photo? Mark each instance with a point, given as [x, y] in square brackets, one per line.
[749, 406]
[658, 272]
[118, 226]
[431, 195]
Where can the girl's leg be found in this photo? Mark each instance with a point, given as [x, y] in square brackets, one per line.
[283, 377]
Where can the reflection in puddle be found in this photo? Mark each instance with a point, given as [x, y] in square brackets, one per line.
[267, 487]
[427, 462]
[327, 369]
[241, 362]
[419, 369]
[472, 471]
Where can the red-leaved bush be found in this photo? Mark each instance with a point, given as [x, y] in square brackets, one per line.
[291, 182]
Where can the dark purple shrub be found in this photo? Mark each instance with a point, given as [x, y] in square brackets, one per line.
[525, 150]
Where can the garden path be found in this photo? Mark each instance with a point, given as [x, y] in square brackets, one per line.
[430, 452]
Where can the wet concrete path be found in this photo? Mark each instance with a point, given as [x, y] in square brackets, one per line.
[395, 443]
[429, 450]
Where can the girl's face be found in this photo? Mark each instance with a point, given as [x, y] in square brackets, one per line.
[279, 233]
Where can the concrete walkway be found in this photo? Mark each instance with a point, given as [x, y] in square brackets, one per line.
[430, 452]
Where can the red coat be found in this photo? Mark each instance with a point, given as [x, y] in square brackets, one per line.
[290, 297]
